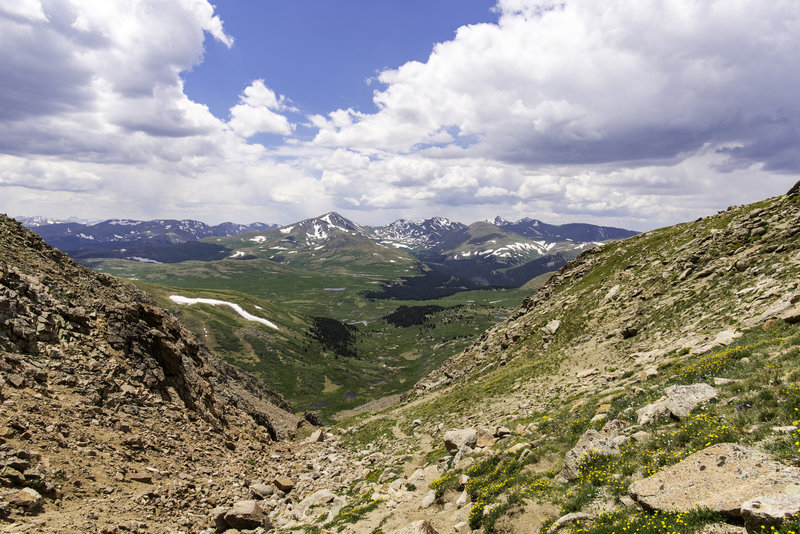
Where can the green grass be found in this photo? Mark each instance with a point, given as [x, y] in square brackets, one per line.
[764, 367]
[372, 432]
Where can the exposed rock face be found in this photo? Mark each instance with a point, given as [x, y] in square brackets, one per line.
[723, 478]
[104, 393]
[50, 306]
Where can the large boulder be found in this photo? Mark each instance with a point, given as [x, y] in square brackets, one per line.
[244, 515]
[678, 401]
[606, 442]
[722, 478]
[456, 440]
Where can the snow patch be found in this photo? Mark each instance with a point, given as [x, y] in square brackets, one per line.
[142, 260]
[177, 299]
[258, 239]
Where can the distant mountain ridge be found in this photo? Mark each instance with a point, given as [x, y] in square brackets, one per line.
[160, 240]
[37, 220]
[416, 234]
[444, 256]
[572, 231]
[131, 230]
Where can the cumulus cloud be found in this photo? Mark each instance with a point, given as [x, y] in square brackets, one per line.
[92, 105]
[593, 82]
[629, 113]
[257, 112]
[589, 92]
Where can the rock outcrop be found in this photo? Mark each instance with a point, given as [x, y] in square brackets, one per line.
[52, 309]
[105, 394]
[678, 401]
[730, 479]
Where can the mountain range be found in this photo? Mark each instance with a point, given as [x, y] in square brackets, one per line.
[448, 256]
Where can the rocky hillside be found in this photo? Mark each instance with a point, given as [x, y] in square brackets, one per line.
[644, 378]
[94, 378]
[650, 386]
[690, 286]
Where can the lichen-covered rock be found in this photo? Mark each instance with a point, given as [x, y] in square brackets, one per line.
[722, 478]
[607, 442]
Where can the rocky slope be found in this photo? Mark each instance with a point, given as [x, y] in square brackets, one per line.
[672, 288]
[574, 414]
[99, 384]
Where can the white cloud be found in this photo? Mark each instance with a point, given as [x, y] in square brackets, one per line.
[592, 107]
[92, 106]
[30, 10]
[256, 112]
[637, 113]
[592, 82]
[45, 175]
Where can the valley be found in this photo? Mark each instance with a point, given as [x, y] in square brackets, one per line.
[385, 359]
[334, 289]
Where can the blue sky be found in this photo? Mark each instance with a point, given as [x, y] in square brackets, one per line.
[632, 114]
[323, 53]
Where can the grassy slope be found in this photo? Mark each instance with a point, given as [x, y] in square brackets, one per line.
[680, 286]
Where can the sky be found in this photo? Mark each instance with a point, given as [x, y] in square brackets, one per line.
[629, 113]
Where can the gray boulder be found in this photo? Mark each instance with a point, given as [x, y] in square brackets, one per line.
[606, 442]
[722, 478]
[456, 440]
[679, 401]
[552, 327]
